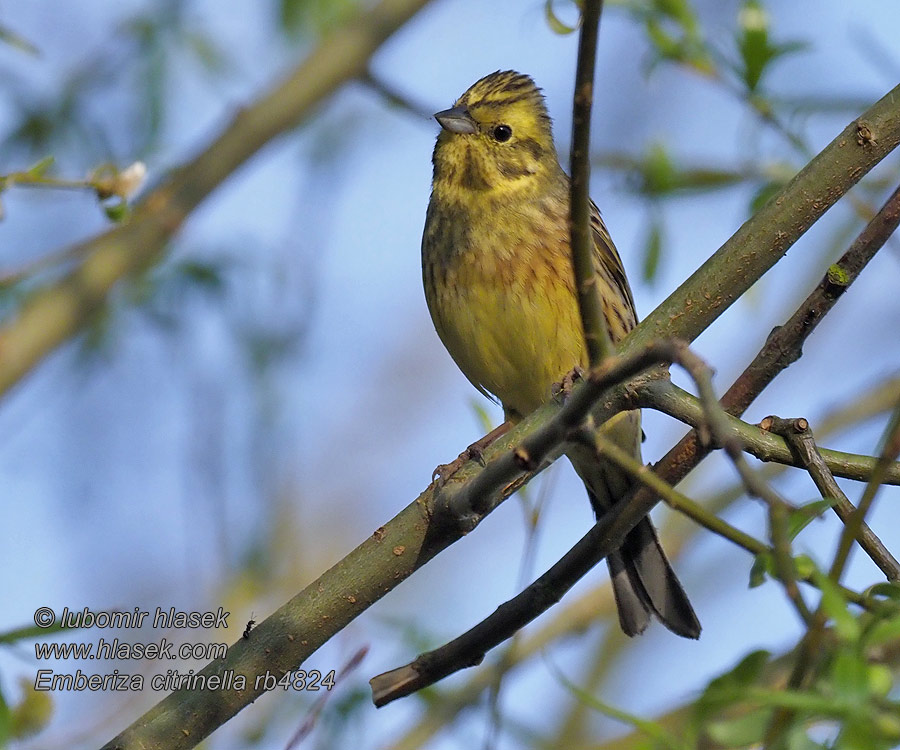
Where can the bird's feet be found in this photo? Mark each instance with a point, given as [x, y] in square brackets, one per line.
[563, 389]
[474, 452]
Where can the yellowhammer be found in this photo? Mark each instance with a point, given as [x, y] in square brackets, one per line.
[500, 288]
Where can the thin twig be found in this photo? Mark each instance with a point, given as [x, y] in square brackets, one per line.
[718, 423]
[590, 306]
[394, 96]
[871, 403]
[677, 403]
[889, 452]
[677, 500]
[804, 671]
[800, 438]
[696, 512]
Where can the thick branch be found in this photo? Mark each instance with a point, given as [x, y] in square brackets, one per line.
[785, 343]
[767, 236]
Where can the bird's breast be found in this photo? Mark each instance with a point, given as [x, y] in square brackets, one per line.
[500, 290]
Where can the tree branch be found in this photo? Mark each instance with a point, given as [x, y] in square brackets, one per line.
[886, 459]
[590, 305]
[672, 400]
[800, 439]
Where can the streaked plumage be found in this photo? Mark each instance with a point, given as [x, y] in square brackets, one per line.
[499, 284]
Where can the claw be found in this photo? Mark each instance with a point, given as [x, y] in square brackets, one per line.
[563, 389]
[443, 472]
[474, 452]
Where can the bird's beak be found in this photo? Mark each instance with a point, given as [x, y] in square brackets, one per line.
[457, 120]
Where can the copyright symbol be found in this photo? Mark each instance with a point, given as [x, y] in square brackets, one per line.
[44, 617]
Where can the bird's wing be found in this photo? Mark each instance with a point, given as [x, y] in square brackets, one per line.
[607, 256]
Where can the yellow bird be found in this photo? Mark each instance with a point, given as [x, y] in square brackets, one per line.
[499, 284]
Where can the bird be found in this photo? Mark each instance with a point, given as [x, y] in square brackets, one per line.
[500, 288]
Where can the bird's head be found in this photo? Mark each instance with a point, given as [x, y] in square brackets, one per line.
[496, 139]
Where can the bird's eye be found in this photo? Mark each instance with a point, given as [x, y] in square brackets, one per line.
[502, 133]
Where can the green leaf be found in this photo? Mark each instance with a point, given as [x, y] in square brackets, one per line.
[857, 734]
[5, 720]
[750, 668]
[652, 250]
[292, 15]
[10, 37]
[849, 676]
[667, 46]
[557, 25]
[27, 632]
[32, 713]
[798, 739]
[754, 45]
[40, 168]
[796, 700]
[658, 171]
[804, 565]
[763, 565]
[117, 212]
[681, 12]
[741, 731]
[888, 726]
[889, 590]
[674, 33]
[208, 276]
[846, 626]
[706, 179]
[883, 632]
[801, 517]
[316, 17]
[880, 679]
[207, 52]
[753, 42]
[723, 690]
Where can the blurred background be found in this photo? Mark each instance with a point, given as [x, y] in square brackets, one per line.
[245, 413]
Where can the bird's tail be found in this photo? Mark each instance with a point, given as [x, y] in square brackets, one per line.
[644, 583]
[642, 578]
